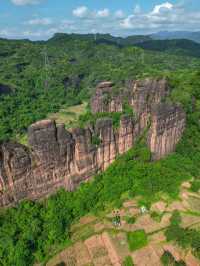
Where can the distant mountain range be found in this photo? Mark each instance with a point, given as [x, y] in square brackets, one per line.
[169, 35]
[179, 42]
[130, 40]
[181, 46]
[101, 38]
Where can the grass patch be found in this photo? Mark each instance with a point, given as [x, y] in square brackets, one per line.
[128, 261]
[130, 219]
[22, 139]
[83, 233]
[137, 239]
[69, 114]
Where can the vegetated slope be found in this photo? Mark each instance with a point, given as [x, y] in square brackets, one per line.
[33, 230]
[45, 75]
[183, 46]
[104, 38]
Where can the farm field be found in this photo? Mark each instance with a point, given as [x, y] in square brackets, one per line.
[98, 241]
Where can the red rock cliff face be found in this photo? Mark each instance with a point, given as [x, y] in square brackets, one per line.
[142, 95]
[167, 126]
[57, 158]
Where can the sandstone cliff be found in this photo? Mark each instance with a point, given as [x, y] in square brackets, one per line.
[59, 158]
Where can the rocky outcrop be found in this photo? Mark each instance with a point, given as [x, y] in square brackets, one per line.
[58, 158]
[167, 125]
[141, 95]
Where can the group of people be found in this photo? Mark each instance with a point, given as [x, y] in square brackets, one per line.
[117, 219]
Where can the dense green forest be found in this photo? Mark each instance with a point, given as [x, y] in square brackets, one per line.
[42, 76]
[31, 231]
[183, 46]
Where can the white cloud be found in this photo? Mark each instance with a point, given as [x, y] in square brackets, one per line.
[165, 16]
[159, 8]
[85, 13]
[81, 12]
[40, 21]
[103, 13]
[25, 2]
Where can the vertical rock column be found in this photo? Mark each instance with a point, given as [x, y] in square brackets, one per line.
[107, 150]
[167, 126]
[126, 134]
[84, 155]
[15, 172]
[52, 156]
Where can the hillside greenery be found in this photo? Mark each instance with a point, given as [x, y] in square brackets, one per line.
[181, 46]
[169, 35]
[184, 237]
[31, 231]
[44, 76]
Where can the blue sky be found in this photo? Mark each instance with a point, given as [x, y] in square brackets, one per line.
[40, 19]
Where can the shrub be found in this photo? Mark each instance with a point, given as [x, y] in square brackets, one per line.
[184, 237]
[127, 109]
[128, 261]
[137, 239]
[90, 118]
[61, 264]
[130, 220]
[156, 216]
[96, 140]
[195, 187]
[168, 260]
[176, 218]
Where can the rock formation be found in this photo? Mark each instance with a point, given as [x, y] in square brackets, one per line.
[167, 125]
[58, 158]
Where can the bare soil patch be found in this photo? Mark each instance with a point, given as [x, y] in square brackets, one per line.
[176, 205]
[148, 256]
[113, 255]
[159, 206]
[130, 203]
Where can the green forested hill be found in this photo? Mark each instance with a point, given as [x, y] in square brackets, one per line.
[181, 46]
[107, 38]
[42, 76]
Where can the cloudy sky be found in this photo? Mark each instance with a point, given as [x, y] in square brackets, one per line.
[40, 19]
